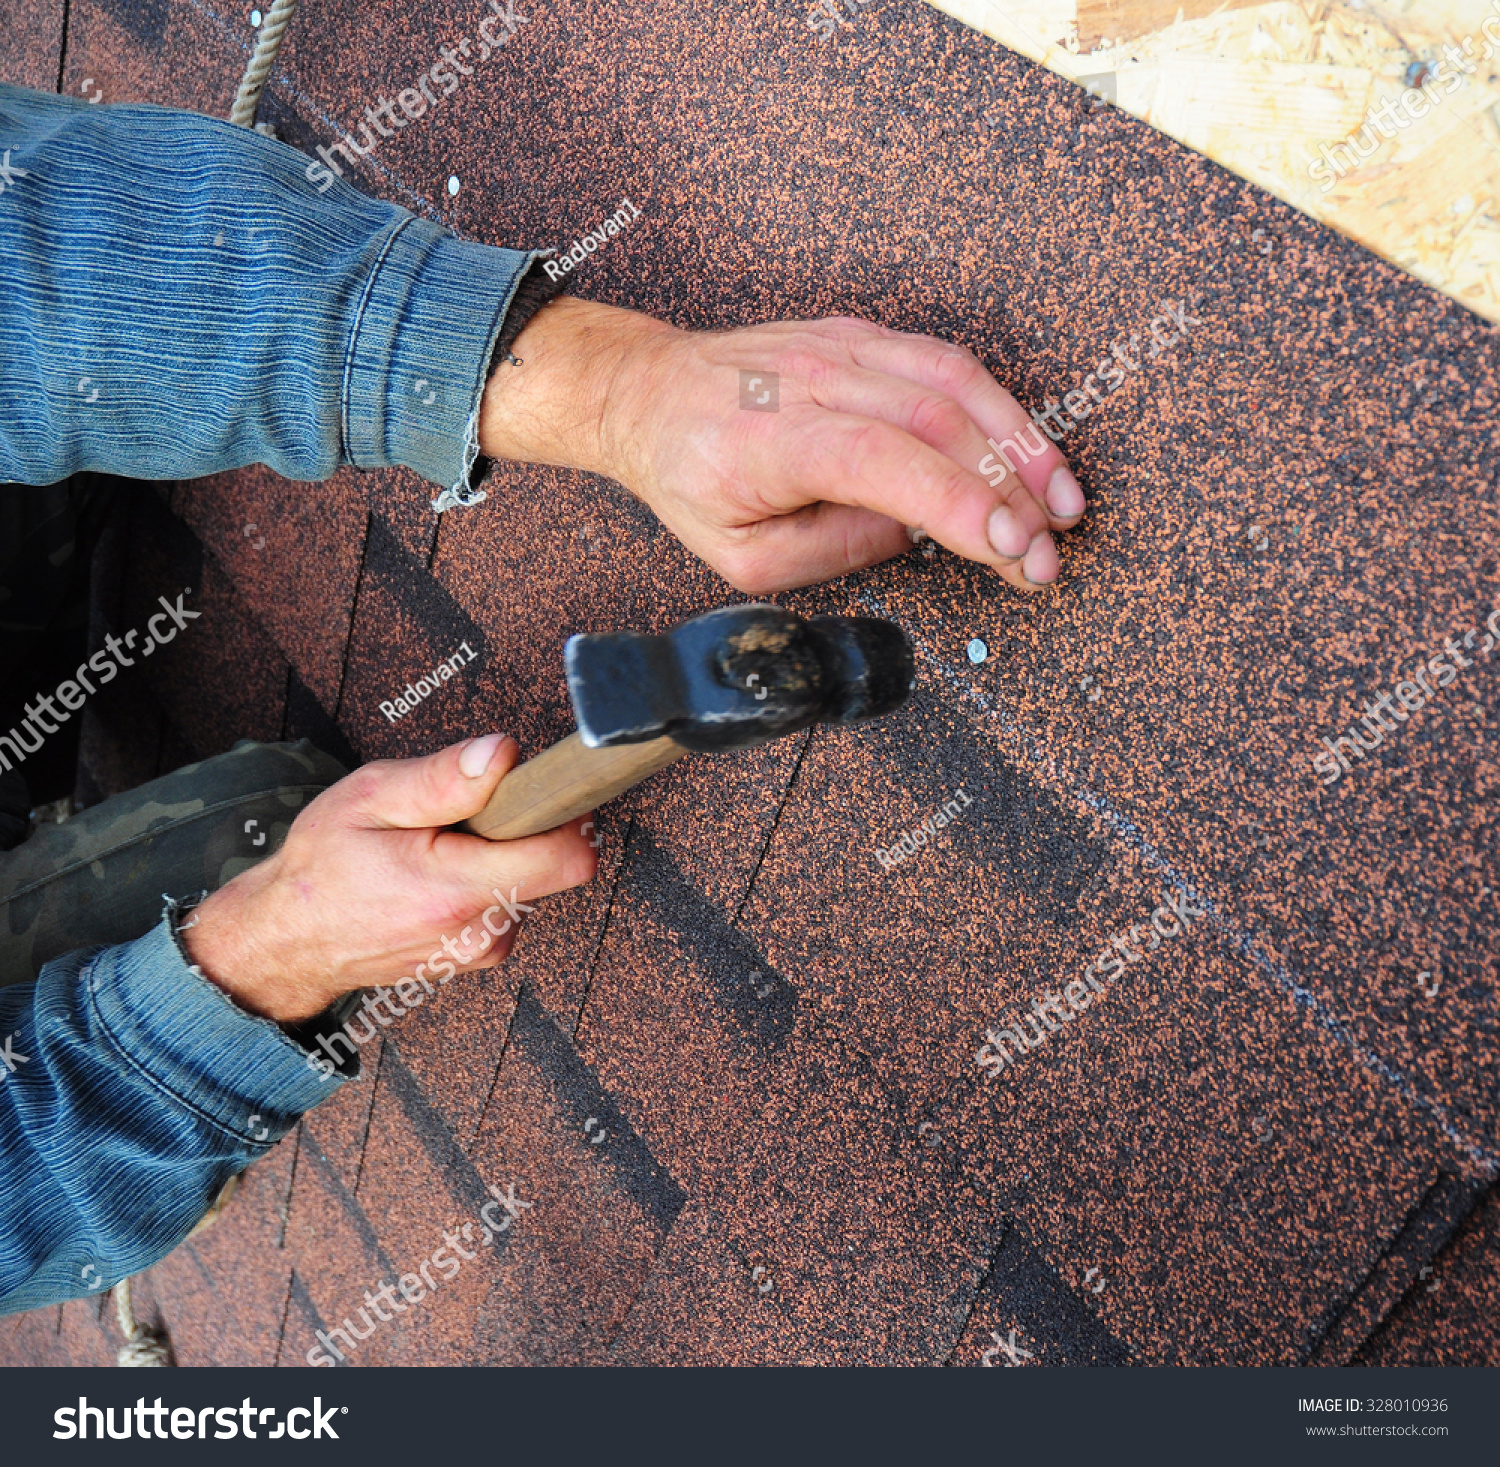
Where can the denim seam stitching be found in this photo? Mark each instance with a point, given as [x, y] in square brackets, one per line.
[359, 317]
[155, 1081]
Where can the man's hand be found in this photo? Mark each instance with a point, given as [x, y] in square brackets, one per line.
[876, 430]
[369, 883]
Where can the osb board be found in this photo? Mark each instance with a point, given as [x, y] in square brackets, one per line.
[1264, 88]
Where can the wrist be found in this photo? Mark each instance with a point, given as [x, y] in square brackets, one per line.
[226, 939]
[569, 403]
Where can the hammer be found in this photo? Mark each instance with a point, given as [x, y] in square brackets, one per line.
[731, 679]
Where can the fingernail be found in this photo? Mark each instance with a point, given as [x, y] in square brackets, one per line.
[1064, 497]
[1040, 566]
[1008, 535]
[477, 754]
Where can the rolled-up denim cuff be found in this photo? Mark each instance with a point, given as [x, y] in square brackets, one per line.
[192, 1041]
[421, 352]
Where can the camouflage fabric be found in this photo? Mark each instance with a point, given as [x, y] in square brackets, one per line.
[100, 878]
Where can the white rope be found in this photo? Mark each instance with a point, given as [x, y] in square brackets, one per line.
[247, 99]
[143, 1346]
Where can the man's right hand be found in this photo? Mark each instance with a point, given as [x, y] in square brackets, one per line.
[371, 883]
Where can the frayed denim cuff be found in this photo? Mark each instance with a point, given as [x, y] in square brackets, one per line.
[420, 354]
[189, 1038]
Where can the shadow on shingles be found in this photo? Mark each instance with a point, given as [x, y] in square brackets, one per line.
[1427, 1231]
[1014, 826]
[760, 1000]
[447, 1157]
[404, 621]
[579, 1094]
[306, 718]
[390, 565]
[313, 1322]
[1025, 1315]
[145, 20]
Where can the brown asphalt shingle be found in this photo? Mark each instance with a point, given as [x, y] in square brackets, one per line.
[225, 1293]
[297, 569]
[34, 44]
[1448, 1317]
[1252, 1147]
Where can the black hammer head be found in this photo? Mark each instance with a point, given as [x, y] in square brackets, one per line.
[736, 677]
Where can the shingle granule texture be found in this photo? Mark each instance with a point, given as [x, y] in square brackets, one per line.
[736, 1076]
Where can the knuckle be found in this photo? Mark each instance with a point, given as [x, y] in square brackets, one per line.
[851, 326]
[317, 809]
[745, 570]
[805, 359]
[1024, 507]
[441, 780]
[365, 783]
[953, 490]
[871, 439]
[748, 559]
[936, 417]
[954, 367]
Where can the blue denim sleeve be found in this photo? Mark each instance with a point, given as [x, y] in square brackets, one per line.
[131, 1089]
[177, 299]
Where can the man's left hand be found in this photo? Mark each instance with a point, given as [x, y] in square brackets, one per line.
[873, 431]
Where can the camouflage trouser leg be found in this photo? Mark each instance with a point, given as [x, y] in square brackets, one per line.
[101, 876]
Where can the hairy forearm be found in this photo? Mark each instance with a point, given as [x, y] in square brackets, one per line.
[579, 360]
[232, 944]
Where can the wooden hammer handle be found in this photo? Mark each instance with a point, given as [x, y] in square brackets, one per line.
[563, 782]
